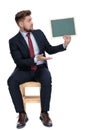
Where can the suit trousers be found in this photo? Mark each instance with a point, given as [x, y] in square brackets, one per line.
[18, 77]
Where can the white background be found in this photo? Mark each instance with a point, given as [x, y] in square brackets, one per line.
[68, 108]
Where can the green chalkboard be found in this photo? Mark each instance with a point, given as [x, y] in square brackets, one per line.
[62, 27]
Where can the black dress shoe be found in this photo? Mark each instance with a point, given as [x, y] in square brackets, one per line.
[22, 120]
[44, 117]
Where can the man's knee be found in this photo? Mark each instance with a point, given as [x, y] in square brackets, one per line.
[8, 81]
[11, 82]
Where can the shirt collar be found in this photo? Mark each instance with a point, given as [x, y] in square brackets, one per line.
[23, 33]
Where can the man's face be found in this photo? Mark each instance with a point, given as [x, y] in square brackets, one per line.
[26, 24]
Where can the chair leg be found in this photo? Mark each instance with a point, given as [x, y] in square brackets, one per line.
[25, 106]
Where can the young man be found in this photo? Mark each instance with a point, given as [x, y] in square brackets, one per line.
[28, 49]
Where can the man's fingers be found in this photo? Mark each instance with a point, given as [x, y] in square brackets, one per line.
[47, 58]
[41, 57]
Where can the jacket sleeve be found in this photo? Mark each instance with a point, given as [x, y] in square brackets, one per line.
[52, 49]
[18, 57]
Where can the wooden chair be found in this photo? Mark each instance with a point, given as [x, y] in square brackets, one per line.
[31, 98]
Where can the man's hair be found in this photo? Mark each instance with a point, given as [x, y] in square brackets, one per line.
[21, 15]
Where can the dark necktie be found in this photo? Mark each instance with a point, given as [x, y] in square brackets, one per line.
[34, 67]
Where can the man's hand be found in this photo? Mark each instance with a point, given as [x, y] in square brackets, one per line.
[67, 39]
[41, 57]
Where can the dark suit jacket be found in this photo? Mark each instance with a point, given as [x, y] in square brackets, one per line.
[20, 51]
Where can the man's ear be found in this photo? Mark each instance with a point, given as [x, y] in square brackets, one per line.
[20, 23]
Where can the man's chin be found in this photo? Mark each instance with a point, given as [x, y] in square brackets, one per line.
[31, 29]
[28, 30]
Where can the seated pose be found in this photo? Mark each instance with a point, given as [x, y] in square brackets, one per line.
[28, 49]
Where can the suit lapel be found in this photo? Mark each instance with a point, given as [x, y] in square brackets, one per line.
[37, 40]
[22, 43]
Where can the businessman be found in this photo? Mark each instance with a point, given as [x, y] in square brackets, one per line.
[28, 49]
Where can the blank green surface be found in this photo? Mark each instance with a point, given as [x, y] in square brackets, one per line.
[62, 27]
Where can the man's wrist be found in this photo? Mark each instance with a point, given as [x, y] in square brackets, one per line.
[64, 46]
[35, 59]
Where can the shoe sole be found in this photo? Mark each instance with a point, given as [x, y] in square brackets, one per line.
[44, 123]
[19, 127]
